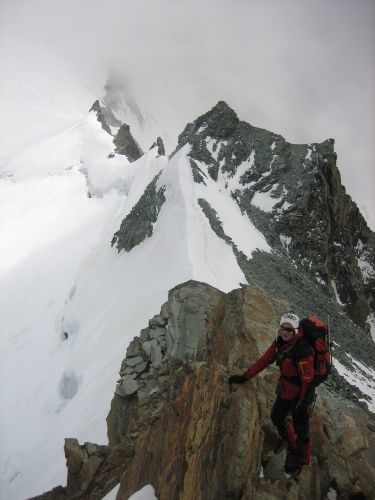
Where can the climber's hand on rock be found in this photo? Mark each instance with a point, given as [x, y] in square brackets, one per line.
[237, 379]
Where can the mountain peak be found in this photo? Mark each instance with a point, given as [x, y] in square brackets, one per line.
[221, 106]
[221, 121]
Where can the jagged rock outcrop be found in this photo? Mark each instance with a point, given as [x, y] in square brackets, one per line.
[182, 430]
[126, 145]
[293, 194]
[160, 145]
[138, 225]
[100, 116]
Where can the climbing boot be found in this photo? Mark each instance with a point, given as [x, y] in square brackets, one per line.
[292, 465]
[298, 457]
[303, 451]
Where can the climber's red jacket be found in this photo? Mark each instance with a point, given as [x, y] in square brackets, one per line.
[296, 362]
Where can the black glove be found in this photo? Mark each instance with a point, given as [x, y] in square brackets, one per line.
[237, 379]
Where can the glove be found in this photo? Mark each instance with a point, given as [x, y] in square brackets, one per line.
[237, 379]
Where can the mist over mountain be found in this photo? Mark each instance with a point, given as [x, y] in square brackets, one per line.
[120, 247]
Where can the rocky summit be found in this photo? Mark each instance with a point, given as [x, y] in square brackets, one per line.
[175, 424]
[293, 194]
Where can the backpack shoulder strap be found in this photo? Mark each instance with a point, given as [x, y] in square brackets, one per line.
[302, 349]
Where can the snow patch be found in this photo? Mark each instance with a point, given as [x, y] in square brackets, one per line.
[112, 494]
[264, 201]
[285, 241]
[146, 493]
[233, 182]
[202, 128]
[285, 205]
[334, 287]
[367, 270]
[331, 494]
[362, 377]
[371, 322]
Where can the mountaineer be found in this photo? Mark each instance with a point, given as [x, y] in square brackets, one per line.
[295, 389]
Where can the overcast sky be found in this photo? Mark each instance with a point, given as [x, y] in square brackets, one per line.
[303, 69]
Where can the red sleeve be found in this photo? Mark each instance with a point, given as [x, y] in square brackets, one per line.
[306, 373]
[268, 357]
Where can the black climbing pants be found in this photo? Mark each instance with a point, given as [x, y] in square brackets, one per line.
[300, 417]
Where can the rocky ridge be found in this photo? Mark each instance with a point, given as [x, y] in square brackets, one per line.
[138, 225]
[175, 424]
[100, 117]
[126, 145]
[124, 142]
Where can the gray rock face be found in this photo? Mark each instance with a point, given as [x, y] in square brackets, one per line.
[198, 175]
[100, 116]
[137, 226]
[173, 334]
[293, 194]
[126, 145]
[127, 387]
[187, 307]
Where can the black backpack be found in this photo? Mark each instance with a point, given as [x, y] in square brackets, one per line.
[317, 334]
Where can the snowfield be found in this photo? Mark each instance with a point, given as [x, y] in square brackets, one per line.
[71, 303]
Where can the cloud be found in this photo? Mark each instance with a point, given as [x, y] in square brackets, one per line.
[299, 68]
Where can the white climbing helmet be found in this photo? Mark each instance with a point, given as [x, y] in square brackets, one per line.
[290, 318]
